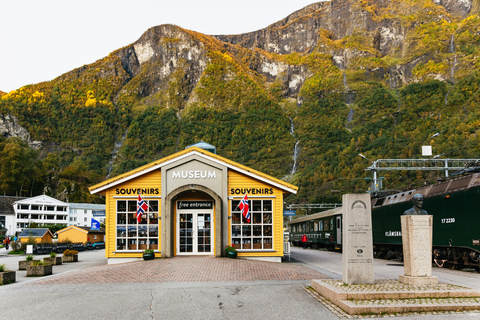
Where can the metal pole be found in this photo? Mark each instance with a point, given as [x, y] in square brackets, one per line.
[446, 168]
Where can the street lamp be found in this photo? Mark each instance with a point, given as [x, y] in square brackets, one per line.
[375, 180]
[361, 155]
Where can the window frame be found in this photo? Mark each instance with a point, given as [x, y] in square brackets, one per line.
[138, 228]
[239, 236]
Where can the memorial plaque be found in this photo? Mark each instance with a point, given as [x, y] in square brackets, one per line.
[357, 257]
[417, 250]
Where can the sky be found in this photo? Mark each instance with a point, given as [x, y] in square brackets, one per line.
[40, 40]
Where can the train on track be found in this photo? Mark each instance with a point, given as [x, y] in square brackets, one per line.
[454, 205]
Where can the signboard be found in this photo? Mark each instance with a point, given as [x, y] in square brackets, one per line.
[98, 213]
[95, 225]
[288, 212]
[194, 204]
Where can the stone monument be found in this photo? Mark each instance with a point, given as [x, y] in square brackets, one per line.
[417, 245]
[357, 257]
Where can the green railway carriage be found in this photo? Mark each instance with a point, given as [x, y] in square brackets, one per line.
[454, 205]
[323, 229]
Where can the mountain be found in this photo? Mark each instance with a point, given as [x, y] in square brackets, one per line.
[298, 100]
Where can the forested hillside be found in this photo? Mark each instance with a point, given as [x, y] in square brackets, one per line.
[330, 81]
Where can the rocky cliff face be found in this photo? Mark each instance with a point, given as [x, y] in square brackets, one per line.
[10, 127]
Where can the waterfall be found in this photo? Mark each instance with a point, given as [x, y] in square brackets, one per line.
[349, 98]
[116, 149]
[296, 148]
[454, 63]
[451, 49]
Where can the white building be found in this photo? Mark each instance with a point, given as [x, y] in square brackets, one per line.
[7, 214]
[81, 214]
[45, 210]
[42, 210]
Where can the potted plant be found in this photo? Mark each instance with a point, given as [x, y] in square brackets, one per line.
[148, 254]
[22, 265]
[6, 276]
[53, 259]
[231, 251]
[39, 269]
[70, 256]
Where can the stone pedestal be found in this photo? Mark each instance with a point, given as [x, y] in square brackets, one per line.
[417, 250]
[357, 246]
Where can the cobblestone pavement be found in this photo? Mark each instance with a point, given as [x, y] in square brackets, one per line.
[186, 269]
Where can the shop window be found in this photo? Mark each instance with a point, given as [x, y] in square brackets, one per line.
[133, 234]
[256, 234]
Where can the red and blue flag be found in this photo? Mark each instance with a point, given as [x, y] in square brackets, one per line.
[244, 208]
[142, 207]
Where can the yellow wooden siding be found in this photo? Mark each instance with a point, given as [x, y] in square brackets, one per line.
[47, 238]
[146, 181]
[73, 235]
[238, 180]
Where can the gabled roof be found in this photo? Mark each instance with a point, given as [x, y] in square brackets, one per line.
[43, 199]
[82, 229]
[6, 204]
[186, 153]
[34, 232]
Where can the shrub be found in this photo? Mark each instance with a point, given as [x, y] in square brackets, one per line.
[3, 268]
[148, 251]
[37, 263]
[66, 240]
[29, 257]
[53, 255]
[69, 252]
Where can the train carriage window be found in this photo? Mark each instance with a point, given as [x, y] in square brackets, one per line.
[326, 227]
[320, 228]
[315, 226]
[331, 224]
[256, 234]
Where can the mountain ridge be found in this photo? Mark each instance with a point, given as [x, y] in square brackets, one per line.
[332, 80]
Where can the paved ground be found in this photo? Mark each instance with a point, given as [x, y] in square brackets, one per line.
[191, 288]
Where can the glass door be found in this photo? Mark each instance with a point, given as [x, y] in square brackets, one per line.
[204, 233]
[194, 233]
[185, 233]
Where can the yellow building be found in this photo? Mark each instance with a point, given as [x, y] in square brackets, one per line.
[40, 235]
[78, 234]
[192, 208]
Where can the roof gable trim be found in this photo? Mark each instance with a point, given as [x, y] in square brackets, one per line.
[188, 154]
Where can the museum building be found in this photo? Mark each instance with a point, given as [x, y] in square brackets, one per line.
[192, 208]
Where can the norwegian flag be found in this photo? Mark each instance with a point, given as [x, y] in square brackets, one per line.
[142, 206]
[244, 208]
